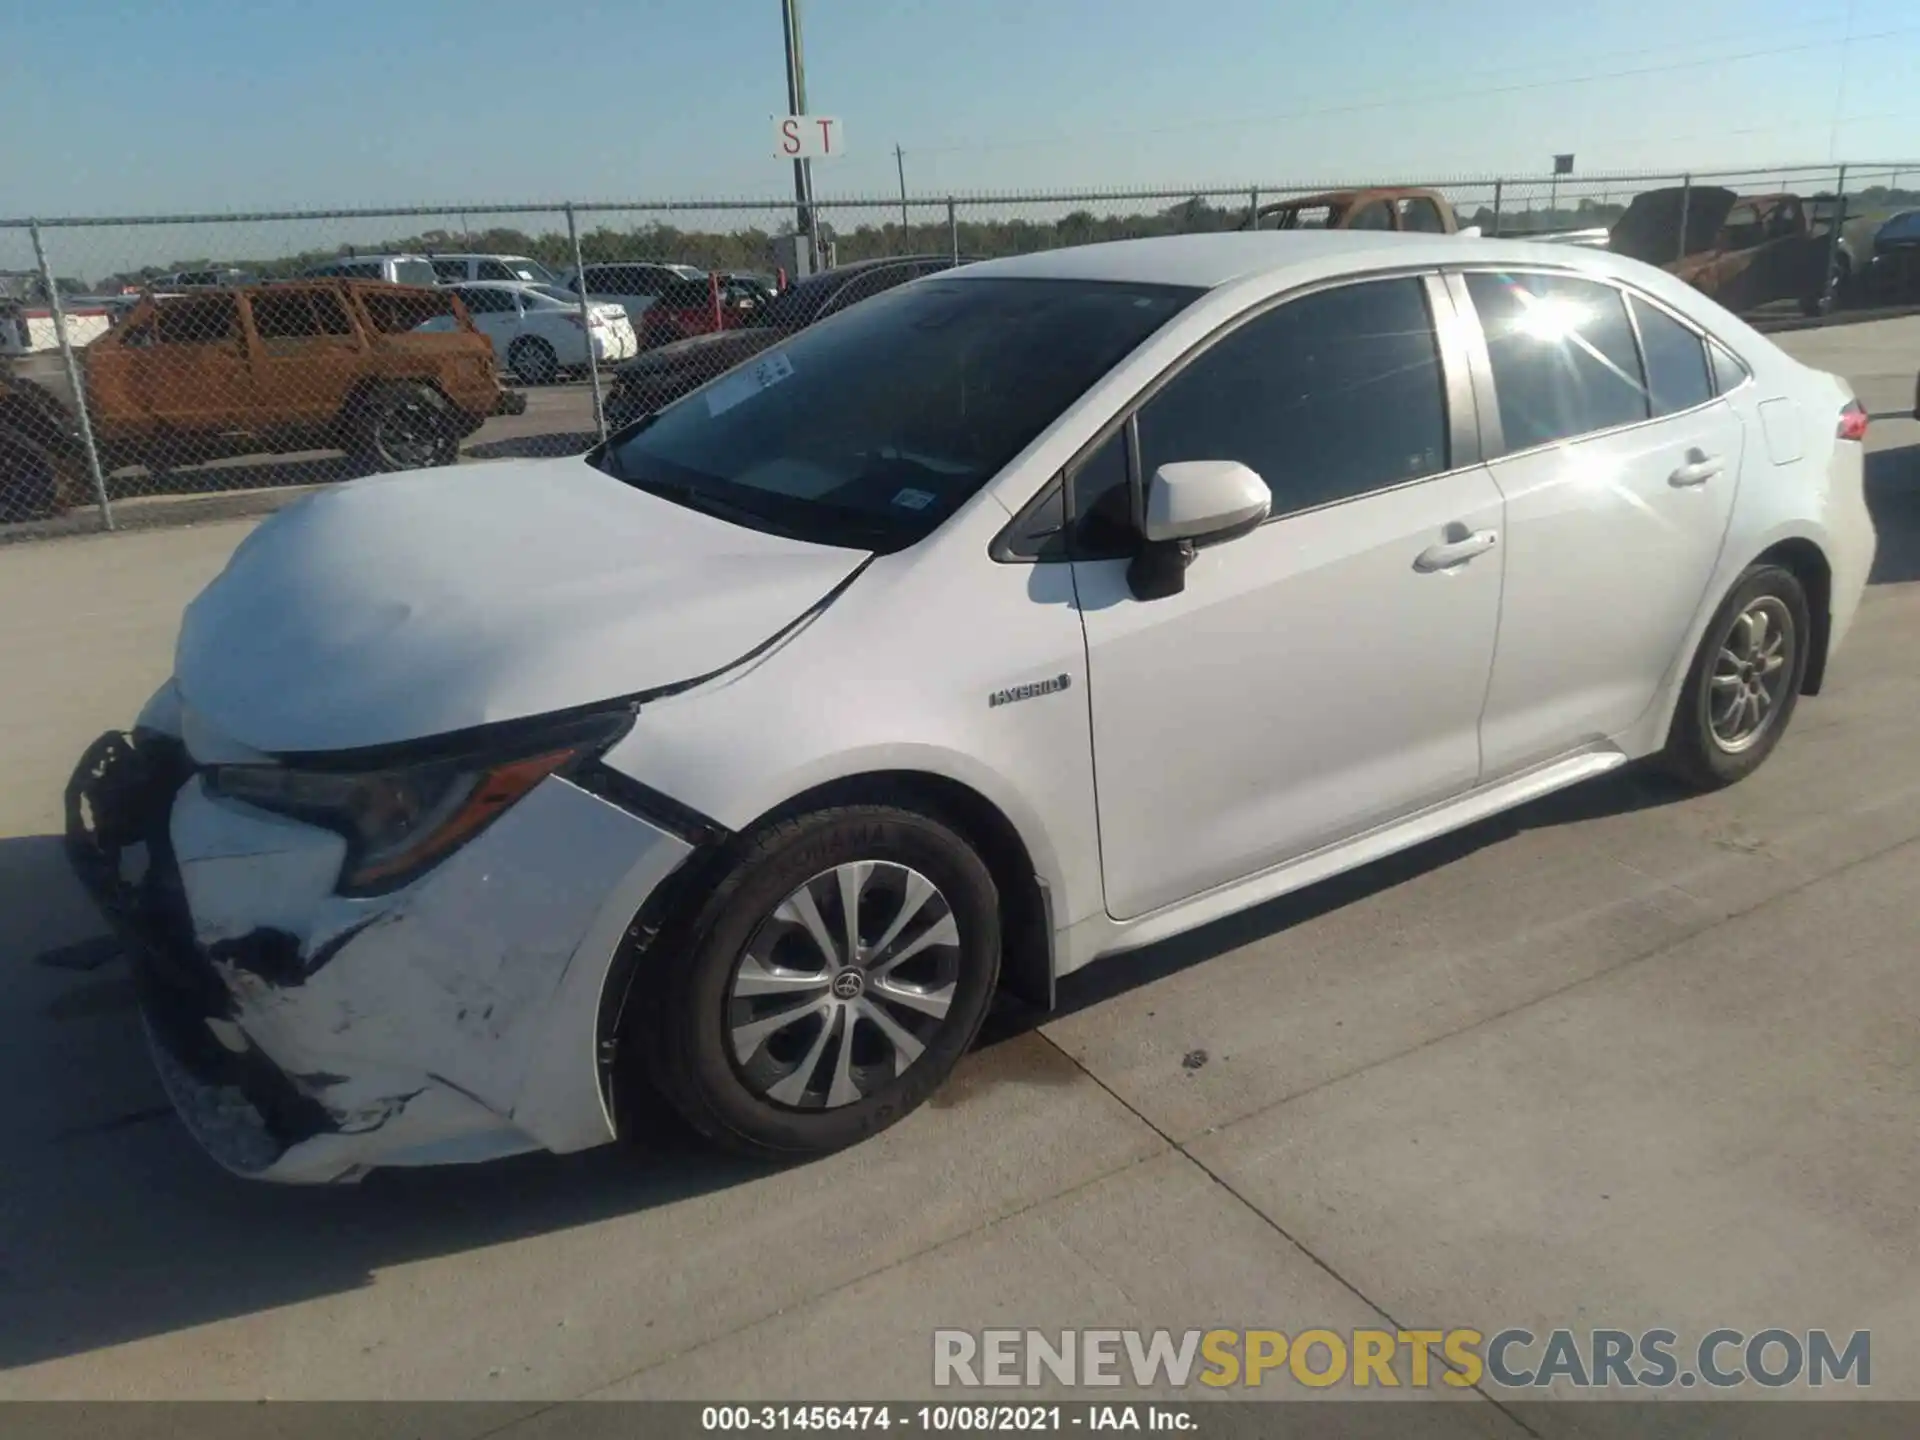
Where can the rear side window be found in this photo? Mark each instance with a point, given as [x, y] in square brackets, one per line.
[414, 272]
[1677, 374]
[204, 320]
[1564, 361]
[450, 269]
[494, 270]
[1328, 397]
[1374, 216]
[487, 302]
[395, 314]
[1729, 373]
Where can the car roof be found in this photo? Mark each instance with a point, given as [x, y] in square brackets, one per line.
[477, 255]
[1210, 261]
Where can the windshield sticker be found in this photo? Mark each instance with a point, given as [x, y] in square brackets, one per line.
[913, 499]
[745, 383]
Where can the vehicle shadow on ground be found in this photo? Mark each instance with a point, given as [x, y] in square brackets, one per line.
[1893, 495]
[1630, 789]
[113, 1226]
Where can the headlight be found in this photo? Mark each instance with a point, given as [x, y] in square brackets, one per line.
[403, 819]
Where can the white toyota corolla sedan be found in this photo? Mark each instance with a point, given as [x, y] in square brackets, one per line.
[1025, 614]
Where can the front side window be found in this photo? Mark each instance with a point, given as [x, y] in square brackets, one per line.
[1564, 362]
[283, 315]
[1330, 396]
[494, 270]
[203, 320]
[1677, 374]
[1375, 216]
[871, 428]
[414, 272]
[330, 312]
[450, 269]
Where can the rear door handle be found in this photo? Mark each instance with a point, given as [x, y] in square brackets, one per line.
[1699, 469]
[1450, 553]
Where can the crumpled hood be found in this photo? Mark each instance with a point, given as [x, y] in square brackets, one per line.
[412, 605]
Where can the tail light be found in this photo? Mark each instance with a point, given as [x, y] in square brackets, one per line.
[1853, 421]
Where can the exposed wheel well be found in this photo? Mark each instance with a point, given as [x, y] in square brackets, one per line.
[1026, 921]
[1026, 924]
[1810, 568]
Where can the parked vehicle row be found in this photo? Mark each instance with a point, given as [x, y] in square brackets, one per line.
[396, 376]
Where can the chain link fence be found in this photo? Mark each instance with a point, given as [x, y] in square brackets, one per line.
[252, 356]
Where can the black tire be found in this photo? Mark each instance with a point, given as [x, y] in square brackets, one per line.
[403, 425]
[29, 482]
[1697, 750]
[690, 1017]
[532, 361]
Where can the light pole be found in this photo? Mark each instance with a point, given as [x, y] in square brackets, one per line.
[797, 105]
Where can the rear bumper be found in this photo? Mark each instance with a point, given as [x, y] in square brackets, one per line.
[306, 1038]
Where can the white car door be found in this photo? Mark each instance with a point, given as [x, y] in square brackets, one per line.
[1619, 475]
[494, 316]
[1324, 674]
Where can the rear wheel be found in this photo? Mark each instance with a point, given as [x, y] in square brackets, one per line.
[1745, 680]
[828, 985]
[532, 361]
[406, 426]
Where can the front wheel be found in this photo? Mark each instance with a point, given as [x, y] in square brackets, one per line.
[1745, 680]
[828, 985]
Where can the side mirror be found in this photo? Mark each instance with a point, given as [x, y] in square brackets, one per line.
[1192, 503]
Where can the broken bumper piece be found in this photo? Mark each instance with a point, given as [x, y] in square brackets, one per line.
[306, 1037]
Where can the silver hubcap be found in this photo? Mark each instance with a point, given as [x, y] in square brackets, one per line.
[843, 986]
[409, 433]
[1750, 674]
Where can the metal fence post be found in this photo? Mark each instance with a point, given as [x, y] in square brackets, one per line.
[586, 322]
[1253, 209]
[1499, 187]
[73, 376]
[953, 230]
[1829, 290]
[1686, 199]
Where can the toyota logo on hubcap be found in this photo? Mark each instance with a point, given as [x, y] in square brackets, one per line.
[847, 985]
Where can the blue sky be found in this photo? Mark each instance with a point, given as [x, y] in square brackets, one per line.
[118, 106]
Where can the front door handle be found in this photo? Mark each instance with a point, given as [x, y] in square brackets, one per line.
[1450, 553]
[1700, 468]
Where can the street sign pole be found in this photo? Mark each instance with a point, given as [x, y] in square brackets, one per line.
[797, 105]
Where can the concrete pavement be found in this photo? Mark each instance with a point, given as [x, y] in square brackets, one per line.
[1625, 1058]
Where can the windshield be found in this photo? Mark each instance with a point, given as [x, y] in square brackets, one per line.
[1902, 227]
[872, 427]
[414, 272]
[531, 271]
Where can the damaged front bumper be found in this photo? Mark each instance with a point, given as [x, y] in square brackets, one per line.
[308, 1037]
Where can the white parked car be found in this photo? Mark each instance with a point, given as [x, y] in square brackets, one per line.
[537, 331]
[458, 269]
[393, 269]
[1023, 614]
[633, 286]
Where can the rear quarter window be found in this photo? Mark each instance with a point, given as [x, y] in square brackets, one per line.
[392, 313]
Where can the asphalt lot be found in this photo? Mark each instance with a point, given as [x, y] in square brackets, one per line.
[1620, 1059]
